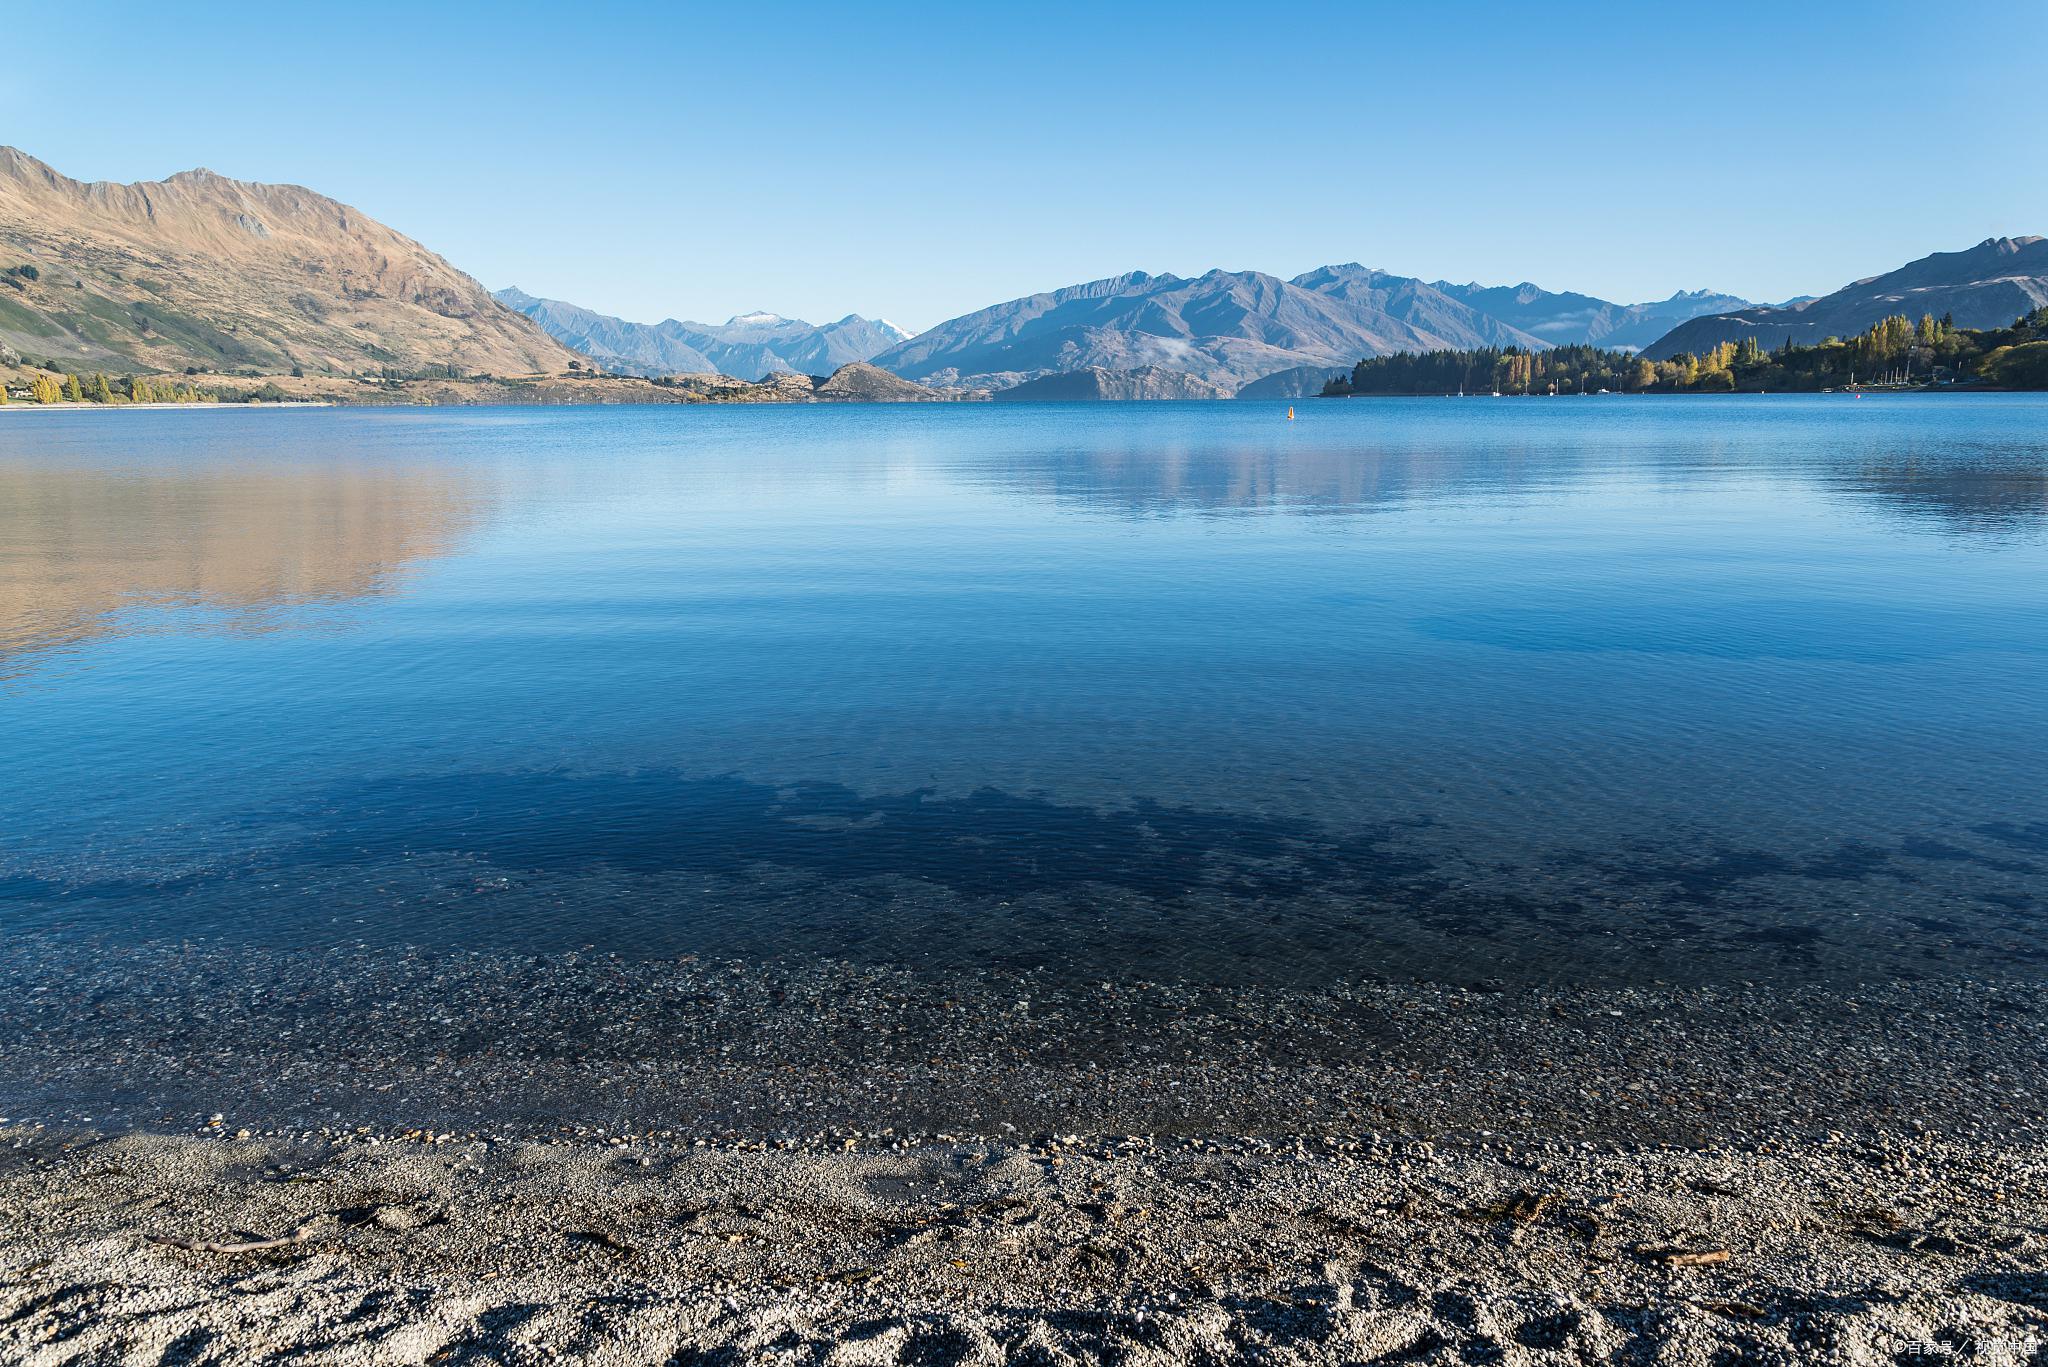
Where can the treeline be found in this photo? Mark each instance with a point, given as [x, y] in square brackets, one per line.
[46, 387]
[1893, 352]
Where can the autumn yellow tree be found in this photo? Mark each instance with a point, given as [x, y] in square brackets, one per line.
[73, 390]
[44, 387]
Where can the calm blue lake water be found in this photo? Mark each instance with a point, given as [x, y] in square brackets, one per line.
[1579, 688]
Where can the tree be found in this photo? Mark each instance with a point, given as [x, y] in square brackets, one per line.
[72, 390]
[44, 387]
[102, 392]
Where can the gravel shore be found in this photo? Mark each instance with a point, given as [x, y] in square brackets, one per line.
[222, 1155]
[396, 1249]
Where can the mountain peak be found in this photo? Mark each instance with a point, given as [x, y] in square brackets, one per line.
[756, 318]
[222, 257]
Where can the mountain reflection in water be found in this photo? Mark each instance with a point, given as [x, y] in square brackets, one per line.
[96, 551]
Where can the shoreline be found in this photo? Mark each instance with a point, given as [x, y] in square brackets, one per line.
[525, 1159]
[388, 1248]
[88, 407]
[511, 399]
[165, 1035]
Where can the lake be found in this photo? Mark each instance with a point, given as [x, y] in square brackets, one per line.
[1561, 691]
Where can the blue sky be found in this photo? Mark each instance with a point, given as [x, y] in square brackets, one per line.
[919, 161]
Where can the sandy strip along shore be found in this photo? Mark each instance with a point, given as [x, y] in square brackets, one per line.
[399, 1250]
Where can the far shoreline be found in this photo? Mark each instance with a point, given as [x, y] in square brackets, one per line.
[89, 407]
[507, 401]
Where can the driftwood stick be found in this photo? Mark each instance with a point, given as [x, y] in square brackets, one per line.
[297, 1236]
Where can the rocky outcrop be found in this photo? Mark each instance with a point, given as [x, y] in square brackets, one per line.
[860, 382]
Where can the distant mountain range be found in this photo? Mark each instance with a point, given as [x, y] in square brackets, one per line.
[749, 346]
[1987, 286]
[1225, 328]
[1246, 332]
[1140, 335]
[215, 274]
[1562, 319]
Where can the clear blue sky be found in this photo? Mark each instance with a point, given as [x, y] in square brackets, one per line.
[919, 161]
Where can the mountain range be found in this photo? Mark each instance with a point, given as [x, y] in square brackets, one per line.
[202, 273]
[749, 345]
[1562, 319]
[214, 274]
[1986, 286]
[1225, 328]
[1257, 335]
[1140, 335]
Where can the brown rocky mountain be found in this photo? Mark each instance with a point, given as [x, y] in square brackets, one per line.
[224, 275]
